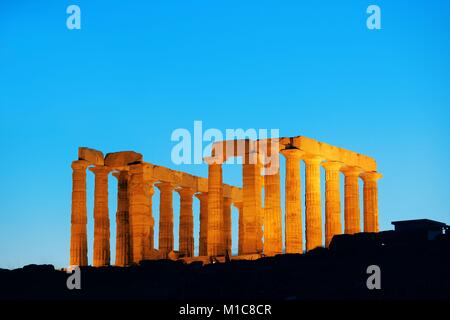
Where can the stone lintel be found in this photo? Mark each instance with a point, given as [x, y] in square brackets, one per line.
[92, 156]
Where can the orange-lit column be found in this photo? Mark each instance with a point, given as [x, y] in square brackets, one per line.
[123, 254]
[240, 207]
[332, 200]
[101, 217]
[203, 233]
[227, 224]
[252, 236]
[186, 230]
[352, 210]
[215, 245]
[272, 210]
[141, 220]
[371, 201]
[313, 210]
[293, 224]
[78, 230]
[165, 218]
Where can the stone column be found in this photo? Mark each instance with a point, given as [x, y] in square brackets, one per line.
[313, 201]
[186, 230]
[332, 200]
[240, 207]
[252, 236]
[273, 242]
[227, 224]
[203, 233]
[293, 214]
[140, 191]
[215, 245]
[352, 210]
[371, 201]
[101, 217]
[123, 254]
[78, 231]
[165, 218]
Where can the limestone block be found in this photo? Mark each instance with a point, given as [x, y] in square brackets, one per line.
[92, 156]
[123, 158]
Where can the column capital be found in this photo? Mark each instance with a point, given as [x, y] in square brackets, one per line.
[371, 176]
[238, 204]
[185, 192]
[80, 165]
[227, 201]
[165, 186]
[313, 159]
[100, 169]
[202, 196]
[293, 153]
[349, 171]
[332, 165]
[121, 174]
[214, 160]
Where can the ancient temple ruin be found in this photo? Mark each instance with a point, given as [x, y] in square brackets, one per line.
[260, 226]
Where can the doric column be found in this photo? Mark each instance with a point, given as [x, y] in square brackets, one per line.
[186, 229]
[352, 210]
[240, 207]
[273, 242]
[371, 201]
[101, 217]
[165, 217]
[252, 236]
[332, 200]
[203, 233]
[78, 230]
[215, 245]
[123, 253]
[227, 224]
[293, 214]
[140, 192]
[313, 210]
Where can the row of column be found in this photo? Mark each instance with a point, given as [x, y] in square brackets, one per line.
[254, 219]
[134, 218]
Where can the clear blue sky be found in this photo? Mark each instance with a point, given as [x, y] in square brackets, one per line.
[137, 70]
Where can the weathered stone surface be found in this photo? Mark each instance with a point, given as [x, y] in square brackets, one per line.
[101, 217]
[252, 208]
[123, 234]
[165, 217]
[352, 212]
[94, 157]
[332, 200]
[215, 245]
[313, 212]
[371, 201]
[140, 191]
[122, 159]
[78, 239]
[227, 224]
[272, 215]
[203, 236]
[293, 229]
[186, 229]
